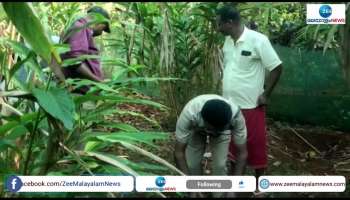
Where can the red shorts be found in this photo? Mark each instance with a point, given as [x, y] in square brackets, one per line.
[256, 138]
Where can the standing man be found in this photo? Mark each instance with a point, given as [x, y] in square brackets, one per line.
[216, 117]
[247, 55]
[80, 37]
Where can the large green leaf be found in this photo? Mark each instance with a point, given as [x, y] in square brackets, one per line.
[99, 113]
[23, 52]
[14, 124]
[28, 25]
[58, 103]
[2, 14]
[115, 98]
[143, 137]
[117, 74]
[5, 144]
[122, 137]
[8, 126]
[17, 132]
[135, 114]
[147, 79]
[83, 82]
[116, 166]
[19, 64]
[61, 48]
[94, 145]
[150, 155]
[141, 166]
[109, 169]
[122, 126]
[117, 162]
[109, 159]
[146, 166]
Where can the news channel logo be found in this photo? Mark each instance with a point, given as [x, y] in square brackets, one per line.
[13, 183]
[325, 13]
[264, 183]
[160, 181]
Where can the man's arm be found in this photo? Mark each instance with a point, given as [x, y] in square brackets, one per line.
[271, 82]
[85, 71]
[57, 70]
[180, 157]
[274, 76]
[241, 161]
[273, 64]
[242, 155]
[180, 161]
[240, 139]
[182, 135]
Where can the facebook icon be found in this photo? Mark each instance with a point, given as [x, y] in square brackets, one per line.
[13, 184]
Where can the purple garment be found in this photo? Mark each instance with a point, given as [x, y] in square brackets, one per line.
[82, 43]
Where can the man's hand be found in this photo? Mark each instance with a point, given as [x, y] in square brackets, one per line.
[262, 100]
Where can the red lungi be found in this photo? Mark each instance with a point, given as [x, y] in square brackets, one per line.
[256, 138]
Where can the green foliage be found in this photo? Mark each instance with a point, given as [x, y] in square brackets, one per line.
[58, 103]
[172, 48]
[279, 21]
[24, 53]
[131, 137]
[27, 23]
[54, 138]
[19, 122]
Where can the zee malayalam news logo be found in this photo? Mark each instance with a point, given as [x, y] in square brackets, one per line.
[325, 13]
[160, 183]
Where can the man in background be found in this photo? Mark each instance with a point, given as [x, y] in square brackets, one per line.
[247, 55]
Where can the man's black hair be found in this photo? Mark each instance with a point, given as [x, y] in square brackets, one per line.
[217, 113]
[227, 13]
